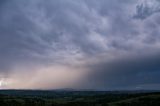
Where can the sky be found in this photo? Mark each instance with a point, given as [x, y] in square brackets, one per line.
[80, 44]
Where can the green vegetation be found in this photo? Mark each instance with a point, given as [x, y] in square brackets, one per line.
[77, 98]
[149, 100]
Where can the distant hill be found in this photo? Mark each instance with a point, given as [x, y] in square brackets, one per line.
[69, 91]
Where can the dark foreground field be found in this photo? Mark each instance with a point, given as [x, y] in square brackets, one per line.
[78, 98]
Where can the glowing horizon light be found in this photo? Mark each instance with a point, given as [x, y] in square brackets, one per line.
[2, 83]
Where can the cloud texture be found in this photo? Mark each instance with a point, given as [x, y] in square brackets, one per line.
[104, 44]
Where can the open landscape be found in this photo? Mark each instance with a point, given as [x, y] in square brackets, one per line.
[78, 98]
[79, 52]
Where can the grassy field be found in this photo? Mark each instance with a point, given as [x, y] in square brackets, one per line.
[77, 98]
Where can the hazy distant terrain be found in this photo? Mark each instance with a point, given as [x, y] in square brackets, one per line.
[78, 98]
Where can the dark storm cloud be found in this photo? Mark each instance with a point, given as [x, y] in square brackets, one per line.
[147, 8]
[67, 32]
[127, 72]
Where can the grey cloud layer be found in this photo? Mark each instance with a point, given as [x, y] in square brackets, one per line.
[68, 31]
